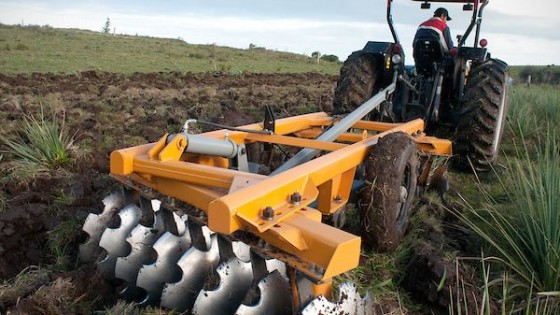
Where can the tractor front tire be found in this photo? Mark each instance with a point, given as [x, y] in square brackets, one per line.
[357, 82]
[390, 191]
[482, 116]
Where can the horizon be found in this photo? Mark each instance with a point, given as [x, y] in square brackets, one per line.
[301, 28]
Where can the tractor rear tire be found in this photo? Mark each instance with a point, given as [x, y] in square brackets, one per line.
[482, 116]
[390, 191]
[358, 80]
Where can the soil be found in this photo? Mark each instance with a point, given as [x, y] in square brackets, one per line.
[41, 216]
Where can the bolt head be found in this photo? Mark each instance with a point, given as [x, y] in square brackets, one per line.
[295, 198]
[338, 199]
[268, 213]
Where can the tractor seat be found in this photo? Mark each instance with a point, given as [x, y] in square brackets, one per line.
[427, 54]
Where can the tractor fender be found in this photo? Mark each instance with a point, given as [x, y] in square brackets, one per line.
[472, 53]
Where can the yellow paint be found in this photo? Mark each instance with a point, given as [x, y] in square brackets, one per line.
[234, 201]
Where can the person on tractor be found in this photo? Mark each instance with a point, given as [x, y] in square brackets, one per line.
[436, 29]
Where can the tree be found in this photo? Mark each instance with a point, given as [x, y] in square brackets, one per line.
[330, 58]
[316, 55]
[107, 27]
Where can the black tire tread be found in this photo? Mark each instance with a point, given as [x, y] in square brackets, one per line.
[480, 106]
[386, 165]
[357, 82]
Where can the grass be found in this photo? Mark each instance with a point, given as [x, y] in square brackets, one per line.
[37, 49]
[42, 144]
[533, 110]
[522, 227]
[549, 74]
[124, 308]
[23, 284]
[58, 240]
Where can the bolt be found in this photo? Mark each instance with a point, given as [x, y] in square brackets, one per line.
[295, 198]
[338, 199]
[268, 213]
[262, 243]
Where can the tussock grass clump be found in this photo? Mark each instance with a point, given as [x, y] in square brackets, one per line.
[523, 230]
[43, 143]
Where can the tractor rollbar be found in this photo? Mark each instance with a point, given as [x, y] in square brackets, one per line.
[475, 21]
[390, 22]
[479, 22]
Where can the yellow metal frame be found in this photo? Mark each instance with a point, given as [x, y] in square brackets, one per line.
[234, 201]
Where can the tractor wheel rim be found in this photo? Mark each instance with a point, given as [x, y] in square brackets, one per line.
[404, 196]
[499, 123]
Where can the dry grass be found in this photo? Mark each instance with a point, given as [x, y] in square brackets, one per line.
[26, 282]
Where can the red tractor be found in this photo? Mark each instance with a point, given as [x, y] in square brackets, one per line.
[464, 93]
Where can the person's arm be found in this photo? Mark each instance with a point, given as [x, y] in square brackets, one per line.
[448, 39]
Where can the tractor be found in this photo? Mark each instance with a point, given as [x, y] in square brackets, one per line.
[463, 96]
[205, 224]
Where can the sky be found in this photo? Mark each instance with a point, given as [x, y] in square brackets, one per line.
[519, 32]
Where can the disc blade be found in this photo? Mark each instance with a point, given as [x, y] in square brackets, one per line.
[236, 277]
[94, 226]
[196, 266]
[141, 239]
[349, 302]
[152, 278]
[275, 297]
[114, 240]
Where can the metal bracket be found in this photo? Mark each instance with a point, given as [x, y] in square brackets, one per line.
[242, 162]
[269, 120]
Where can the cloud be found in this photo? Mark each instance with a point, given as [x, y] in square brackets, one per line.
[300, 27]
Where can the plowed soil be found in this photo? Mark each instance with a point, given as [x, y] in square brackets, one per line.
[41, 215]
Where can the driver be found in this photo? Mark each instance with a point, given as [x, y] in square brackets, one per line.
[436, 28]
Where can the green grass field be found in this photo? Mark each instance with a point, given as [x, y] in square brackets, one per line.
[44, 49]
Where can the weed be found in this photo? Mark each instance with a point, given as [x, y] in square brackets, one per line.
[42, 144]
